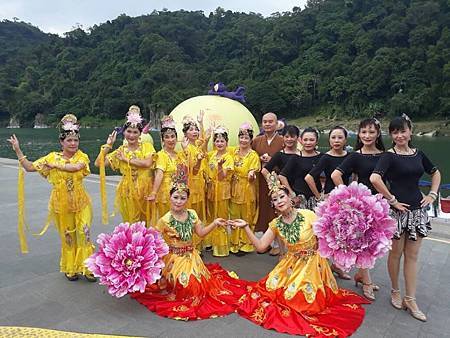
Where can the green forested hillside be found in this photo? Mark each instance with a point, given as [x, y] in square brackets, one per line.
[334, 57]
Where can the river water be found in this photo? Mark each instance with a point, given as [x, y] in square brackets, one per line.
[38, 142]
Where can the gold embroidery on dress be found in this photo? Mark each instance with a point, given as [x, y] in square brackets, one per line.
[171, 297]
[69, 184]
[224, 292]
[259, 315]
[180, 308]
[325, 331]
[242, 299]
[351, 306]
[286, 312]
[195, 301]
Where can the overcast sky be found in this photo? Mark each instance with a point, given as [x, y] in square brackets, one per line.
[59, 16]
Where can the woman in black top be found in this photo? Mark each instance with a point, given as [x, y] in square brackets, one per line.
[369, 146]
[293, 174]
[402, 167]
[337, 138]
[281, 158]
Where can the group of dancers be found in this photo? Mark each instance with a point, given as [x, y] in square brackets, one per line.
[259, 195]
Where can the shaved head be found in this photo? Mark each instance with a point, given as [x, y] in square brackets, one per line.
[270, 115]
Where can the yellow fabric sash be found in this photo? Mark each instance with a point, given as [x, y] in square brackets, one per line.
[103, 196]
[21, 210]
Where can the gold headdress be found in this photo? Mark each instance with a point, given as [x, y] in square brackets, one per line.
[180, 178]
[69, 126]
[273, 183]
[134, 118]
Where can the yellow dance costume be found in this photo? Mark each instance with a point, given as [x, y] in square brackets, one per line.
[70, 209]
[168, 166]
[196, 184]
[135, 185]
[218, 195]
[243, 198]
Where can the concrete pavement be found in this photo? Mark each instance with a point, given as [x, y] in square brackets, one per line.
[34, 293]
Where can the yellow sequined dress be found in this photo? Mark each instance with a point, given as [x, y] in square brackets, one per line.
[70, 209]
[189, 289]
[300, 295]
[243, 198]
[218, 201]
[135, 185]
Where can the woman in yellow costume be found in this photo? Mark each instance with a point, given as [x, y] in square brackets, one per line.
[220, 168]
[133, 160]
[189, 289]
[300, 295]
[165, 167]
[194, 151]
[70, 206]
[244, 190]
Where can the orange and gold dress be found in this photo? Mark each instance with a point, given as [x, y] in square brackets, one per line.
[189, 289]
[300, 295]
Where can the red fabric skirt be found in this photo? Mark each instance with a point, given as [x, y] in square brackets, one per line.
[335, 315]
[200, 299]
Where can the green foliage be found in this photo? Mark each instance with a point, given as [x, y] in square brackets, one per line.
[333, 57]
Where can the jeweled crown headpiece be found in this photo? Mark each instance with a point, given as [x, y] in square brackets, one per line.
[180, 178]
[273, 183]
[69, 126]
[134, 118]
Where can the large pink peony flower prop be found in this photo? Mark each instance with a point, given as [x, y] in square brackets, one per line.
[354, 227]
[129, 259]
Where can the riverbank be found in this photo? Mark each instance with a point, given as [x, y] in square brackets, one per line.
[441, 127]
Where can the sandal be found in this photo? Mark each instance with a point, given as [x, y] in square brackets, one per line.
[396, 299]
[415, 313]
[341, 274]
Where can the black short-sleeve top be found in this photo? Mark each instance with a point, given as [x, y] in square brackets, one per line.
[295, 171]
[278, 162]
[362, 165]
[402, 173]
[327, 164]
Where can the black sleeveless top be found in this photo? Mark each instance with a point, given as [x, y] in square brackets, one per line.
[402, 174]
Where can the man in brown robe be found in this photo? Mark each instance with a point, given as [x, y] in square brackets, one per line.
[266, 146]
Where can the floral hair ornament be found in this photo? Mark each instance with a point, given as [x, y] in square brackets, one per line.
[69, 126]
[273, 183]
[189, 121]
[167, 122]
[134, 118]
[180, 178]
[245, 127]
[220, 130]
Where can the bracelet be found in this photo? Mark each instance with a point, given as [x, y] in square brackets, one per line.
[393, 200]
[432, 193]
[433, 196]
[22, 158]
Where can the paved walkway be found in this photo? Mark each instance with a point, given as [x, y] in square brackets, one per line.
[33, 293]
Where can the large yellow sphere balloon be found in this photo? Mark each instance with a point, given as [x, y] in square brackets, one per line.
[220, 110]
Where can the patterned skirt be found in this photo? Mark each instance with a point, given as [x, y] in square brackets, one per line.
[309, 203]
[412, 222]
